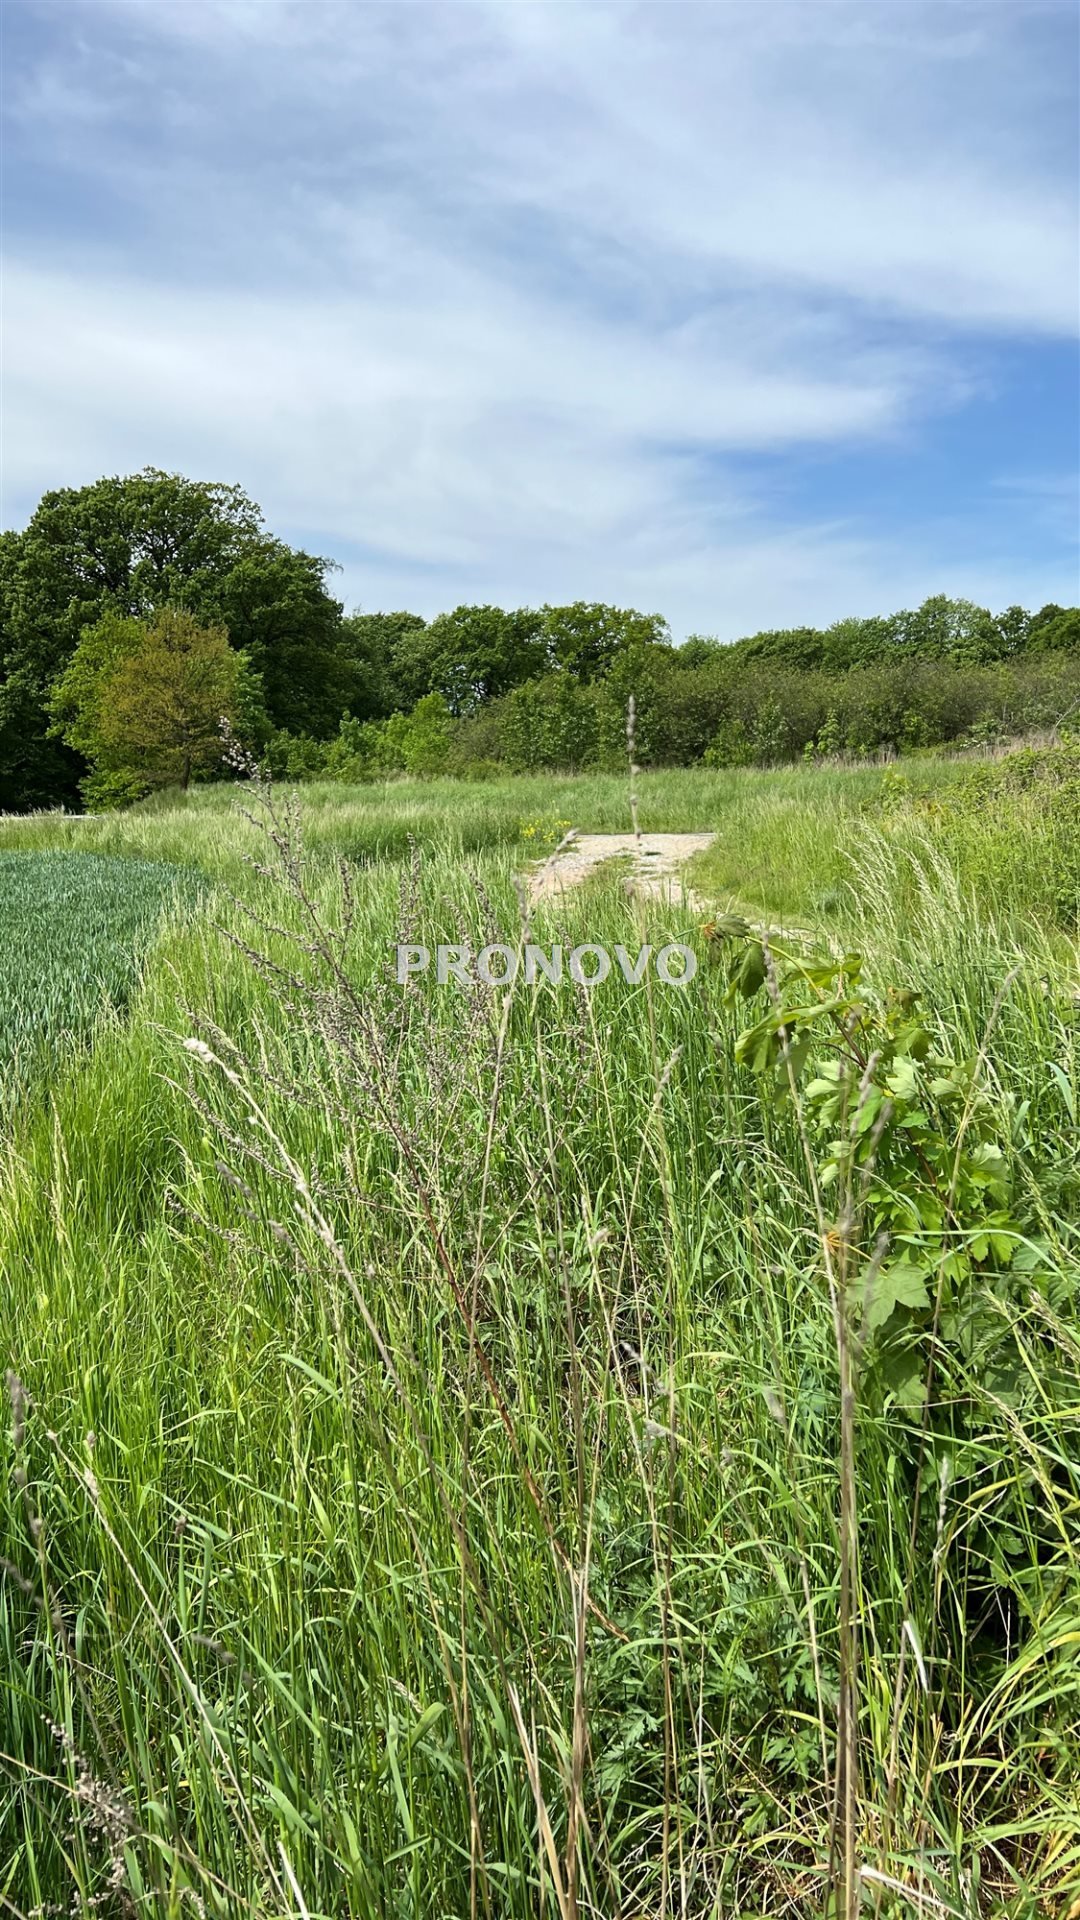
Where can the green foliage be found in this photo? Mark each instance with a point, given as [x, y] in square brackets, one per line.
[726, 710]
[76, 928]
[274, 604]
[903, 1127]
[125, 548]
[770, 715]
[76, 698]
[36, 770]
[1053, 629]
[1024, 810]
[468, 656]
[477, 654]
[372, 640]
[525, 688]
[146, 702]
[296, 756]
[938, 1255]
[588, 638]
[553, 722]
[426, 736]
[417, 742]
[955, 631]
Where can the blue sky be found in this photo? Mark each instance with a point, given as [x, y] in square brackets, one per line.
[751, 314]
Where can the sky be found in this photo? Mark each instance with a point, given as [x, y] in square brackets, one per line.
[751, 314]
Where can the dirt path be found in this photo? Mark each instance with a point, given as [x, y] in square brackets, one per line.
[656, 861]
[656, 871]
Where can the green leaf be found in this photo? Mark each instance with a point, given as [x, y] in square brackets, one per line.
[1030, 1256]
[826, 1080]
[1064, 1087]
[869, 1108]
[748, 975]
[903, 1284]
[913, 1040]
[903, 1081]
[904, 1375]
[728, 926]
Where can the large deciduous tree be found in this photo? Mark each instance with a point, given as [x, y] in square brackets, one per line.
[585, 637]
[469, 656]
[1055, 629]
[130, 546]
[475, 654]
[371, 640]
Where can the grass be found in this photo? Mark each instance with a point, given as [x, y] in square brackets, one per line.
[428, 1500]
[382, 821]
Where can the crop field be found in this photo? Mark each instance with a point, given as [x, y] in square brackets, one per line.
[544, 1450]
[74, 929]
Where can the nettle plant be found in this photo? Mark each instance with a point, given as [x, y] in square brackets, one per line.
[905, 1147]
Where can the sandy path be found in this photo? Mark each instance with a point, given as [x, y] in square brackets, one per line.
[657, 859]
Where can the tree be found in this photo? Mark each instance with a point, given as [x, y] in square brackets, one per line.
[1055, 630]
[35, 771]
[944, 629]
[698, 650]
[427, 739]
[275, 608]
[584, 638]
[144, 701]
[371, 639]
[1014, 627]
[799, 647]
[130, 546]
[551, 722]
[470, 655]
[852, 643]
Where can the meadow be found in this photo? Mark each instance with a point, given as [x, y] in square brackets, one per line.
[558, 1451]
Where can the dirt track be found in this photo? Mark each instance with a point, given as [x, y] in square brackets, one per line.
[656, 861]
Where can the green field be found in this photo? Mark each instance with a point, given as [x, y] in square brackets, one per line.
[75, 927]
[428, 1488]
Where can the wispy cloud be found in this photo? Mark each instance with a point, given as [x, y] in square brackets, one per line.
[500, 298]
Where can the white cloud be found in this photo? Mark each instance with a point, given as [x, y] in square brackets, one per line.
[494, 295]
[762, 142]
[434, 429]
[889, 153]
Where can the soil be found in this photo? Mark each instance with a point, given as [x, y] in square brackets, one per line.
[656, 859]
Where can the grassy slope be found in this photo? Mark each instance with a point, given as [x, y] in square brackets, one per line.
[305, 1588]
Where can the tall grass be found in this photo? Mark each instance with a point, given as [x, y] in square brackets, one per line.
[427, 1502]
[383, 820]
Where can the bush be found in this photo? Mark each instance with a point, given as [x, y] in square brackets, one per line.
[725, 707]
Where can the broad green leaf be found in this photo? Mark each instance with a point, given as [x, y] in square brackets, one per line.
[903, 1284]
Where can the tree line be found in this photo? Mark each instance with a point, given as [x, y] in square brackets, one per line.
[144, 620]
